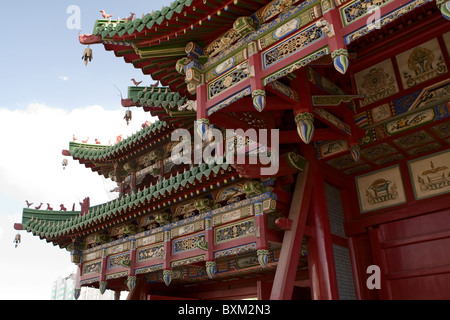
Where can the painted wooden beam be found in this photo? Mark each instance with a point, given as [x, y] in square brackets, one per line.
[283, 284]
[291, 136]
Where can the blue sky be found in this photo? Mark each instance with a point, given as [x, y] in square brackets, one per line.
[38, 49]
[47, 95]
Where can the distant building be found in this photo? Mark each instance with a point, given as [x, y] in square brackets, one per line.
[63, 289]
[88, 293]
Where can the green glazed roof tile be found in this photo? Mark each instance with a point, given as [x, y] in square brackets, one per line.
[56, 224]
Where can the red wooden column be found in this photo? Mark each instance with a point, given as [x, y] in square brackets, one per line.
[320, 249]
[211, 265]
[131, 280]
[133, 181]
[303, 111]
[202, 116]
[102, 283]
[283, 284]
[332, 21]
[262, 243]
[255, 67]
[167, 268]
[77, 290]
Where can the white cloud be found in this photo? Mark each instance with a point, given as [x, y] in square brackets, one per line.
[63, 78]
[32, 141]
[31, 169]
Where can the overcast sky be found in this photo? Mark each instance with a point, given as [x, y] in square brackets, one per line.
[47, 95]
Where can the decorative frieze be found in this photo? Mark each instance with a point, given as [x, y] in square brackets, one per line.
[386, 19]
[92, 256]
[116, 261]
[264, 29]
[241, 229]
[233, 215]
[293, 44]
[93, 267]
[187, 244]
[154, 238]
[358, 9]
[153, 252]
[239, 250]
[226, 65]
[227, 81]
[149, 269]
[226, 102]
[183, 262]
[117, 275]
[188, 228]
[296, 65]
[118, 248]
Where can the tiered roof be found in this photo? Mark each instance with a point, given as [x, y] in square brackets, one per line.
[100, 158]
[161, 102]
[60, 227]
[171, 28]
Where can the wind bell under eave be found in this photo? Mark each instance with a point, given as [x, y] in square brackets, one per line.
[128, 116]
[16, 240]
[87, 56]
[65, 162]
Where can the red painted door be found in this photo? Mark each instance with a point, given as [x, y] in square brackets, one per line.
[414, 257]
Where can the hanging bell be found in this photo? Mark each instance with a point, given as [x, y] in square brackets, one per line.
[17, 240]
[87, 56]
[128, 116]
[65, 163]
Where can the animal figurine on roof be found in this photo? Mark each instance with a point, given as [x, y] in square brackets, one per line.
[49, 207]
[130, 18]
[63, 208]
[28, 203]
[136, 83]
[85, 206]
[105, 15]
[38, 207]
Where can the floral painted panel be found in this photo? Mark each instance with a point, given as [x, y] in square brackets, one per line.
[421, 63]
[376, 82]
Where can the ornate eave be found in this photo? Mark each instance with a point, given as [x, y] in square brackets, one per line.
[155, 42]
[101, 158]
[161, 102]
[60, 227]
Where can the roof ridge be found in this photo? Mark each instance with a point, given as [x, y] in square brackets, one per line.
[77, 149]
